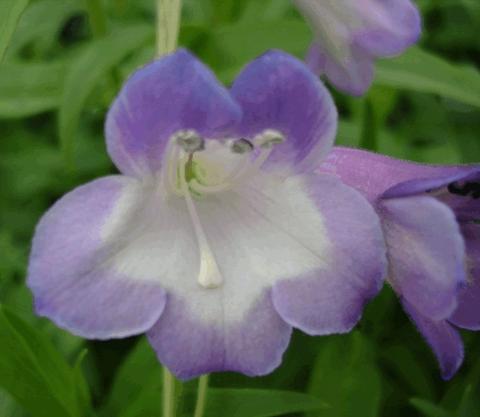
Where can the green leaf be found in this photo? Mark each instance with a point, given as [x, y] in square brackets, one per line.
[137, 386]
[407, 367]
[94, 63]
[33, 372]
[258, 403]
[341, 364]
[82, 390]
[41, 24]
[29, 89]
[10, 12]
[8, 406]
[419, 70]
[429, 409]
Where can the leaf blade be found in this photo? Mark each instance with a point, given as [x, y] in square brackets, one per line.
[33, 372]
[419, 70]
[10, 12]
[258, 402]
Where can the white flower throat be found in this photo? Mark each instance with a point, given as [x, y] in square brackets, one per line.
[196, 168]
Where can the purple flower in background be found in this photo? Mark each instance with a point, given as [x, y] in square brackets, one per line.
[351, 34]
[218, 237]
[430, 219]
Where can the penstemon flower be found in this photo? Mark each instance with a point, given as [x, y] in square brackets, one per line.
[351, 34]
[218, 237]
[430, 219]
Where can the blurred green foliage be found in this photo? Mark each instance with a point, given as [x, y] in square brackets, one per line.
[64, 61]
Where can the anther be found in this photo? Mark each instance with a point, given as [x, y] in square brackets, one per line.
[189, 140]
[268, 138]
[242, 146]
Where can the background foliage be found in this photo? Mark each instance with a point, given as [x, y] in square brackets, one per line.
[63, 62]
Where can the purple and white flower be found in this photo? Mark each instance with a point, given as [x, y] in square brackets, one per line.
[218, 237]
[351, 34]
[430, 217]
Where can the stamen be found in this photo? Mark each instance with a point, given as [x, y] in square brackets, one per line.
[266, 141]
[268, 138]
[209, 275]
[189, 140]
[242, 146]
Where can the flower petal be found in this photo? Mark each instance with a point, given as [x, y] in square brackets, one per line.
[69, 274]
[277, 91]
[175, 92]
[190, 346]
[353, 76]
[373, 174]
[442, 338]
[330, 299]
[458, 189]
[467, 315]
[426, 253]
[349, 34]
[391, 26]
[262, 232]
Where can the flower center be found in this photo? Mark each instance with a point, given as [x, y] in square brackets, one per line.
[195, 168]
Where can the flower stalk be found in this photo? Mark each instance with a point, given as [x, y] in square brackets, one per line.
[168, 397]
[201, 396]
[168, 25]
[97, 18]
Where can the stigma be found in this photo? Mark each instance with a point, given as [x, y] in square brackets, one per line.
[195, 168]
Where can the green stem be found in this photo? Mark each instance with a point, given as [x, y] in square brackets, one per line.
[168, 25]
[201, 396]
[97, 17]
[168, 405]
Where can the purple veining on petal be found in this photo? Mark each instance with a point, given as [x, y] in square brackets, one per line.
[467, 315]
[190, 347]
[175, 92]
[426, 253]
[442, 338]
[68, 283]
[331, 300]
[277, 91]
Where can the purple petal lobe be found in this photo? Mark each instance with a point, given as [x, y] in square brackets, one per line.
[392, 26]
[373, 174]
[353, 76]
[69, 271]
[447, 175]
[442, 338]
[277, 91]
[190, 347]
[330, 299]
[426, 253]
[175, 92]
[467, 315]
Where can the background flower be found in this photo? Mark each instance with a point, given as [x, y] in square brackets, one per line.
[429, 216]
[351, 34]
